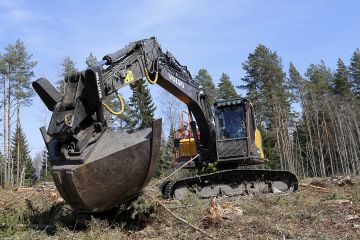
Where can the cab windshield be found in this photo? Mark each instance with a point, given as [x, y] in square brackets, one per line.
[232, 122]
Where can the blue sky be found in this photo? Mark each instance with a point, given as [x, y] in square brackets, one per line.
[216, 35]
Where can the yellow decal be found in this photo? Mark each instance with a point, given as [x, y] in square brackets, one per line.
[129, 77]
[258, 142]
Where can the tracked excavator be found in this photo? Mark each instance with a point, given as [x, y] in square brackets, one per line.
[96, 169]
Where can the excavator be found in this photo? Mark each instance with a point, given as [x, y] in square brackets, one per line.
[97, 169]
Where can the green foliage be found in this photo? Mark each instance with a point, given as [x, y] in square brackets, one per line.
[142, 105]
[295, 81]
[265, 85]
[271, 150]
[18, 69]
[208, 168]
[334, 195]
[122, 122]
[19, 141]
[226, 89]
[141, 208]
[320, 77]
[204, 79]
[355, 71]
[342, 84]
[265, 82]
[68, 67]
[166, 157]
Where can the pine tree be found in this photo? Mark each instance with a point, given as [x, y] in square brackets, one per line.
[265, 85]
[204, 79]
[142, 106]
[355, 71]
[317, 98]
[3, 71]
[17, 70]
[341, 84]
[320, 77]
[226, 89]
[166, 156]
[295, 81]
[20, 145]
[21, 71]
[91, 60]
[264, 81]
[68, 67]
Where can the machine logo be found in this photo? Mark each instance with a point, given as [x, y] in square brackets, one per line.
[98, 84]
[176, 81]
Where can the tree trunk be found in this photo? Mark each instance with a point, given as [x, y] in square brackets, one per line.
[5, 159]
[22, 177]
[18, 142]
[10, 159]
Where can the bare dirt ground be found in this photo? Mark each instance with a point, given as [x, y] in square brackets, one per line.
[321, 209]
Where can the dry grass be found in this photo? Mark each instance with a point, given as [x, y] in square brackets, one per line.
[329, 212]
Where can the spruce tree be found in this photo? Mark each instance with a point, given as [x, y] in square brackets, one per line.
[166, 156]
[226, 89]
[25, 163]
[68, 67]
[341, 84]
[204, 79]
[142, 106]
[355, 72]
[30, 172]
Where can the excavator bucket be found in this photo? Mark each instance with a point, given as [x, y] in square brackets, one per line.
[94, 169]
[118, 167]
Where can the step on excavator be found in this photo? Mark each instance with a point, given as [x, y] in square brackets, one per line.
[96, 169]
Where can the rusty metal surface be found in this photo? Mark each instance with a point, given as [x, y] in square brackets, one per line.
[118, 167]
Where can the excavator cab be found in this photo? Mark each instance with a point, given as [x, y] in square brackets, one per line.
[238, 140]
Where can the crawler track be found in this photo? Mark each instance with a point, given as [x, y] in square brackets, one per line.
[232, 182]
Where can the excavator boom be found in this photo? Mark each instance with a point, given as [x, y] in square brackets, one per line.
[96, 169]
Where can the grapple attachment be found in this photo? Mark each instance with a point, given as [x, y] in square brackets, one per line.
[94, 169]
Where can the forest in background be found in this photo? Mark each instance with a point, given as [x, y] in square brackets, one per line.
[309, 123]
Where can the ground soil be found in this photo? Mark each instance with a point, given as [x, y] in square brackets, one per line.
[321, 209]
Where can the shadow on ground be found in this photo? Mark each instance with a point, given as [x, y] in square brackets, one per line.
[62, 215]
